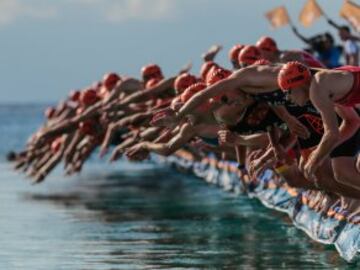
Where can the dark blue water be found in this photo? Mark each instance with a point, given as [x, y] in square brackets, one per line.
[137, 216]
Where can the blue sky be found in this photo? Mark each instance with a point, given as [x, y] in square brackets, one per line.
[49, 47]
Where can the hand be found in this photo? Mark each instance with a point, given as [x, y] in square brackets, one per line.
[227, 137]
[165, 118]
[258, 166]
[112, 128]
[175, 106]
[138, 152]
[255, 154]
[255, 165]
[311, 167]
[116, 154]
[211, 53]
[186, 68]
[297, 128]
[301, 165]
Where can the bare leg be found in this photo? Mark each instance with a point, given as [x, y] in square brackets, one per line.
[345, 171]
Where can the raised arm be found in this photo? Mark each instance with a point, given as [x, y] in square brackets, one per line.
[333, 24]
[304, 39]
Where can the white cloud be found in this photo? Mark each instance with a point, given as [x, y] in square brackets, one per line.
[11, 10]
[116, 11]
[125, 10]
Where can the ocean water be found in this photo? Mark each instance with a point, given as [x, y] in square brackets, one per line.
[137, 216]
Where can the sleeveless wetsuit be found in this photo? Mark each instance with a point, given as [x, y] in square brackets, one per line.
[349, 148]
[311, 119]
[274, 98]
[307, 115]
[259, 117]
[353, 96]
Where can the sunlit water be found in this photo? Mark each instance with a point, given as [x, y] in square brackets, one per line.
[138, 216]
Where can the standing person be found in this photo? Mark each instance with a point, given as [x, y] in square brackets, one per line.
[323, 45]
[351, 49]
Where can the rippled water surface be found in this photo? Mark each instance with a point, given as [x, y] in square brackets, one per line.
[138, 216]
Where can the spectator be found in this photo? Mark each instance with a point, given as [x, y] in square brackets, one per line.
[324, 48]
[351, 49]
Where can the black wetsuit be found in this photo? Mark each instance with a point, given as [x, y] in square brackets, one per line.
[274, 98]
[258, 117]
[307, 115]
[349, 148]
[311, 119]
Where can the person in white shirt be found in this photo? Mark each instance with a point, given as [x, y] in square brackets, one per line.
[351, 49]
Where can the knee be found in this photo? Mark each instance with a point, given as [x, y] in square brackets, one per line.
[340, 175]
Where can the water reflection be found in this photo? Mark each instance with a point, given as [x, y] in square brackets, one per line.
[159, 219]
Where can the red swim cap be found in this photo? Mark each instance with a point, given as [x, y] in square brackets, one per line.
[56, 144]
[110, 80]
[152, 83]
[293, 74]
[89, 97]
[151, 71]
[234, 52]
[267, 44]
[205, 68]
[74, 95]
[217, 75]
[183, 81]
[87, 127]
[262, 62]
[248, 55]
[192, 90]
[49, 112]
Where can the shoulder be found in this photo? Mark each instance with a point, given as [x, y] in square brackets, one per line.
[323, 76]
[320, 84]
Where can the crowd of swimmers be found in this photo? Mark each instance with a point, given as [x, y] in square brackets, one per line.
[275, 109]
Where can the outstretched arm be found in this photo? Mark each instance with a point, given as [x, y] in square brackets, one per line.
[146, 94]
[186, 133]
[251, 80]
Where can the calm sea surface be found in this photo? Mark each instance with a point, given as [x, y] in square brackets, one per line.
[137, 216]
